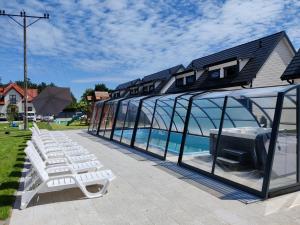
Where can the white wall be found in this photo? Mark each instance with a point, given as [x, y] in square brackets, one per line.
[19, 103]
[271, 71]
[169, 83]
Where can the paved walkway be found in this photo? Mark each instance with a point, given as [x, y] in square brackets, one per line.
[143, 193]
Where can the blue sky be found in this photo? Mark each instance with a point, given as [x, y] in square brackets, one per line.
[92, 41]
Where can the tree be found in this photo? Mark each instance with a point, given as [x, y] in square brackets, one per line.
[86, 93]
[101, 87]
[12, 112]
[73, 105]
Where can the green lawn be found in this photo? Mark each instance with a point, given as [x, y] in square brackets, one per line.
[11, 163]
[55, 126]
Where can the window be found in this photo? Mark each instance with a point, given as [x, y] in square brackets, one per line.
[179, 82]
[29, 108]
[151, 87]
[133, 91]
[12, 99]
[116, 95]
[145, 89]
[230, 71]
[190, 79]
[214, 74]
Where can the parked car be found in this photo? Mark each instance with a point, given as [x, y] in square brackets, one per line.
[48, 118]
[39, 117]
[31, 116]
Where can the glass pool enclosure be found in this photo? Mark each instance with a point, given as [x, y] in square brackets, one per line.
[247, 138]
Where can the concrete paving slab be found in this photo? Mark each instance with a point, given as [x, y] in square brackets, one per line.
[144, 193]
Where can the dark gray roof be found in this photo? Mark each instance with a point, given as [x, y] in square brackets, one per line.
[162, 75]
[293, 69]
[256, 51]
[127, 84]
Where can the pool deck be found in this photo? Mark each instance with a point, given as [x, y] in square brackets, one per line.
[143, 193]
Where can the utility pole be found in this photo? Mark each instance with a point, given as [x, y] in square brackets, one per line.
[24, 26]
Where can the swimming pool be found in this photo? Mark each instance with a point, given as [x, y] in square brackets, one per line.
[158, 140]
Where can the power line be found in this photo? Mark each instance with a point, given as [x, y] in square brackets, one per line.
[24, 26]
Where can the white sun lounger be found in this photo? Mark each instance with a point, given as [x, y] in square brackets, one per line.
[63, 156]
[65, 167]
[46, 183]
[66, 150]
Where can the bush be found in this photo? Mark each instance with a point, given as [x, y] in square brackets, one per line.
[12, 112]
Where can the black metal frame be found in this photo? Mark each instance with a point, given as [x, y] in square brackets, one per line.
[115, 120]
[137, 119]
[265, 191]
[100, 117]
[170, 126]
[298, 133]
[296, 186]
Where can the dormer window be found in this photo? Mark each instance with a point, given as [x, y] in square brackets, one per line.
[223, 69]
[179, 82]
[145, 89]
[116, 95]
[214, 74]
[190, 79]
[230, 71]
[134, 90]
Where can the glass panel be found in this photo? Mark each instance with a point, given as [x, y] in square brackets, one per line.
[110, 118]
[243, 143]
[132, 110]
[178, 124]
[161, 124]
[104, 118]
[97, 112]
[121, 115]
[284, 170]
[204, 122]
[92, 119]
[144, 124]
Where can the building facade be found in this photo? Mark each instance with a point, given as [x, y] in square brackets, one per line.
[13, 95]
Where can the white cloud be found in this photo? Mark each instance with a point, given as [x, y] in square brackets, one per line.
[138, 37]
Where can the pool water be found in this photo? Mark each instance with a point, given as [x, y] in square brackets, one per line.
[158, 140]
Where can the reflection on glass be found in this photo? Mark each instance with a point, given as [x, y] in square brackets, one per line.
[203, 122]
[130, 119]
[121, 116]
[284, 169]
[144, 124]
[244, 143]
[161, 124]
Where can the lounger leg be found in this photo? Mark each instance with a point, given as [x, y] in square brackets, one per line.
[26, 198]
[28, 195]
[97, 194]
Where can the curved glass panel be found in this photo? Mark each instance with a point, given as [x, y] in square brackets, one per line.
[107, 117]
[92, 121]
[105, 111]
[110, 116]
[121, 116]
[161, 124]
[177, 127]
[96, 117]
[243, 144]
[204, 118]
[284, 169]
[130, 119]
[145, 122]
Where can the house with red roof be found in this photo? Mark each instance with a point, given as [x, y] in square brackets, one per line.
[13, 94]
